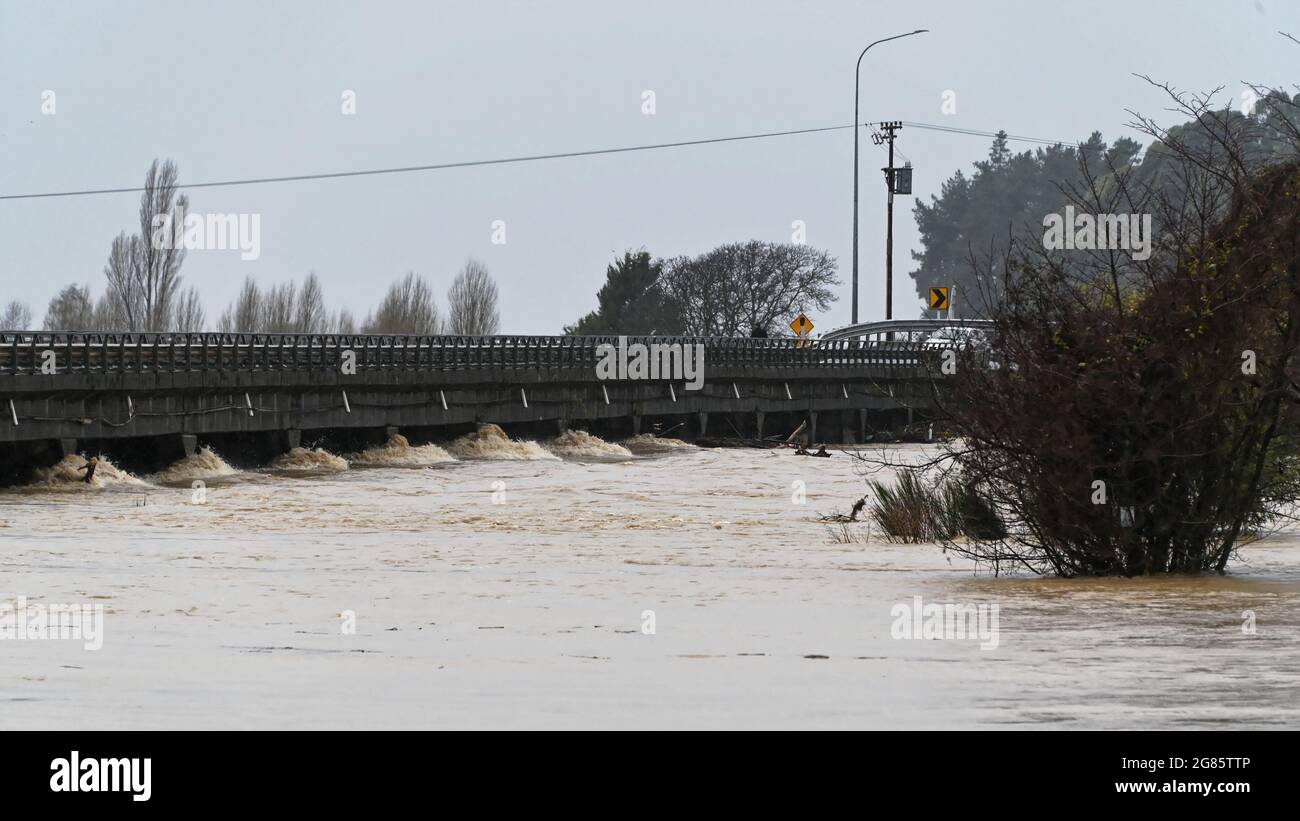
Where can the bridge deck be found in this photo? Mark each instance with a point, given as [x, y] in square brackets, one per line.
[26, 353]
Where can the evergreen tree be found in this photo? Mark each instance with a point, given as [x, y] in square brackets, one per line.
[631, 301]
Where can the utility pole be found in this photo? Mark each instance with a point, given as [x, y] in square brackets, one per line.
[887, 134]
[857, 76]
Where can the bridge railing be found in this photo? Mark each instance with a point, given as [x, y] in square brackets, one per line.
[911, 329]
[30, 353]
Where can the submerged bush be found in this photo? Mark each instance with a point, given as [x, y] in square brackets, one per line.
[1142, 415]
[910, 510]
[905, 509]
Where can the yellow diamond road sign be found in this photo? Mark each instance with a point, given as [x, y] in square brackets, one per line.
[801, 325]
[939, 298]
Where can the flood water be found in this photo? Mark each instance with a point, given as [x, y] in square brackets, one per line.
[499, 584]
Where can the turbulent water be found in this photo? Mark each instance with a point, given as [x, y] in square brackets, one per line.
[491, 442]
[69, 473]
[397, 452]
[578, 444]
[677, 587]
[648, 443]
[309, 459]
[204, 464]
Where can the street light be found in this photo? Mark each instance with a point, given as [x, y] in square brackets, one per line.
[856, 125]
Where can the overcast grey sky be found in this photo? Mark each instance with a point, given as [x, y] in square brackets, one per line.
[248, 89]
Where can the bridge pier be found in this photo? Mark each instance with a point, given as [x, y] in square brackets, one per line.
[812, 427]
[51, 451]
[17, 459]
[758, 423]
[703, 424]
[636, 424]
[848, 430]
[173, 448]
[283, 441]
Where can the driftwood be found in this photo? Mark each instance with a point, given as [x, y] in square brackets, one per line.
[852, 517]
[797, 431]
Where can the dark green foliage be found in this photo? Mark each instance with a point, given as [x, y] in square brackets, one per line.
[1007, 195]
[632, 301]
[733, 290]
[976, 215]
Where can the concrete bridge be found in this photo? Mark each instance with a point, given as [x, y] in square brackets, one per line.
[149, 398]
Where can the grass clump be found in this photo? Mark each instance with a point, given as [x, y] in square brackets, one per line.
[910, 510]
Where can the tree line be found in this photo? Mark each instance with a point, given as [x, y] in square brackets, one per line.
[967, 228]
[739, 289]
[144, 292]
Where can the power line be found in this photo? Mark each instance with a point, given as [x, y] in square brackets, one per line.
[438, 166]
[976, 133]
[521, 159]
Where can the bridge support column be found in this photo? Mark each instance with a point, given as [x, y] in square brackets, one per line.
[812, 427]
[846, 428]
[561, 425]
[44, 452]
[636, 424]
[175, 447]
[758, 423]
[379, 436]
[273, 443]
[862, 424]
[287, 440]
[704, 424]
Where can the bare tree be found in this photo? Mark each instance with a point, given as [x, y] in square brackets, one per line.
[472, 302]
[143, 270]
[739, 288]
[245, 315]
[71, 310]
[283, 308]
[157, 270]
[344, 323]
[278, 309]
[124, 292]
[190, 315]
[16, 317]
[309, 315]
[408, 308]
[110, 314]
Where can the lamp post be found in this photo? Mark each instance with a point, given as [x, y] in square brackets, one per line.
[856, 78]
